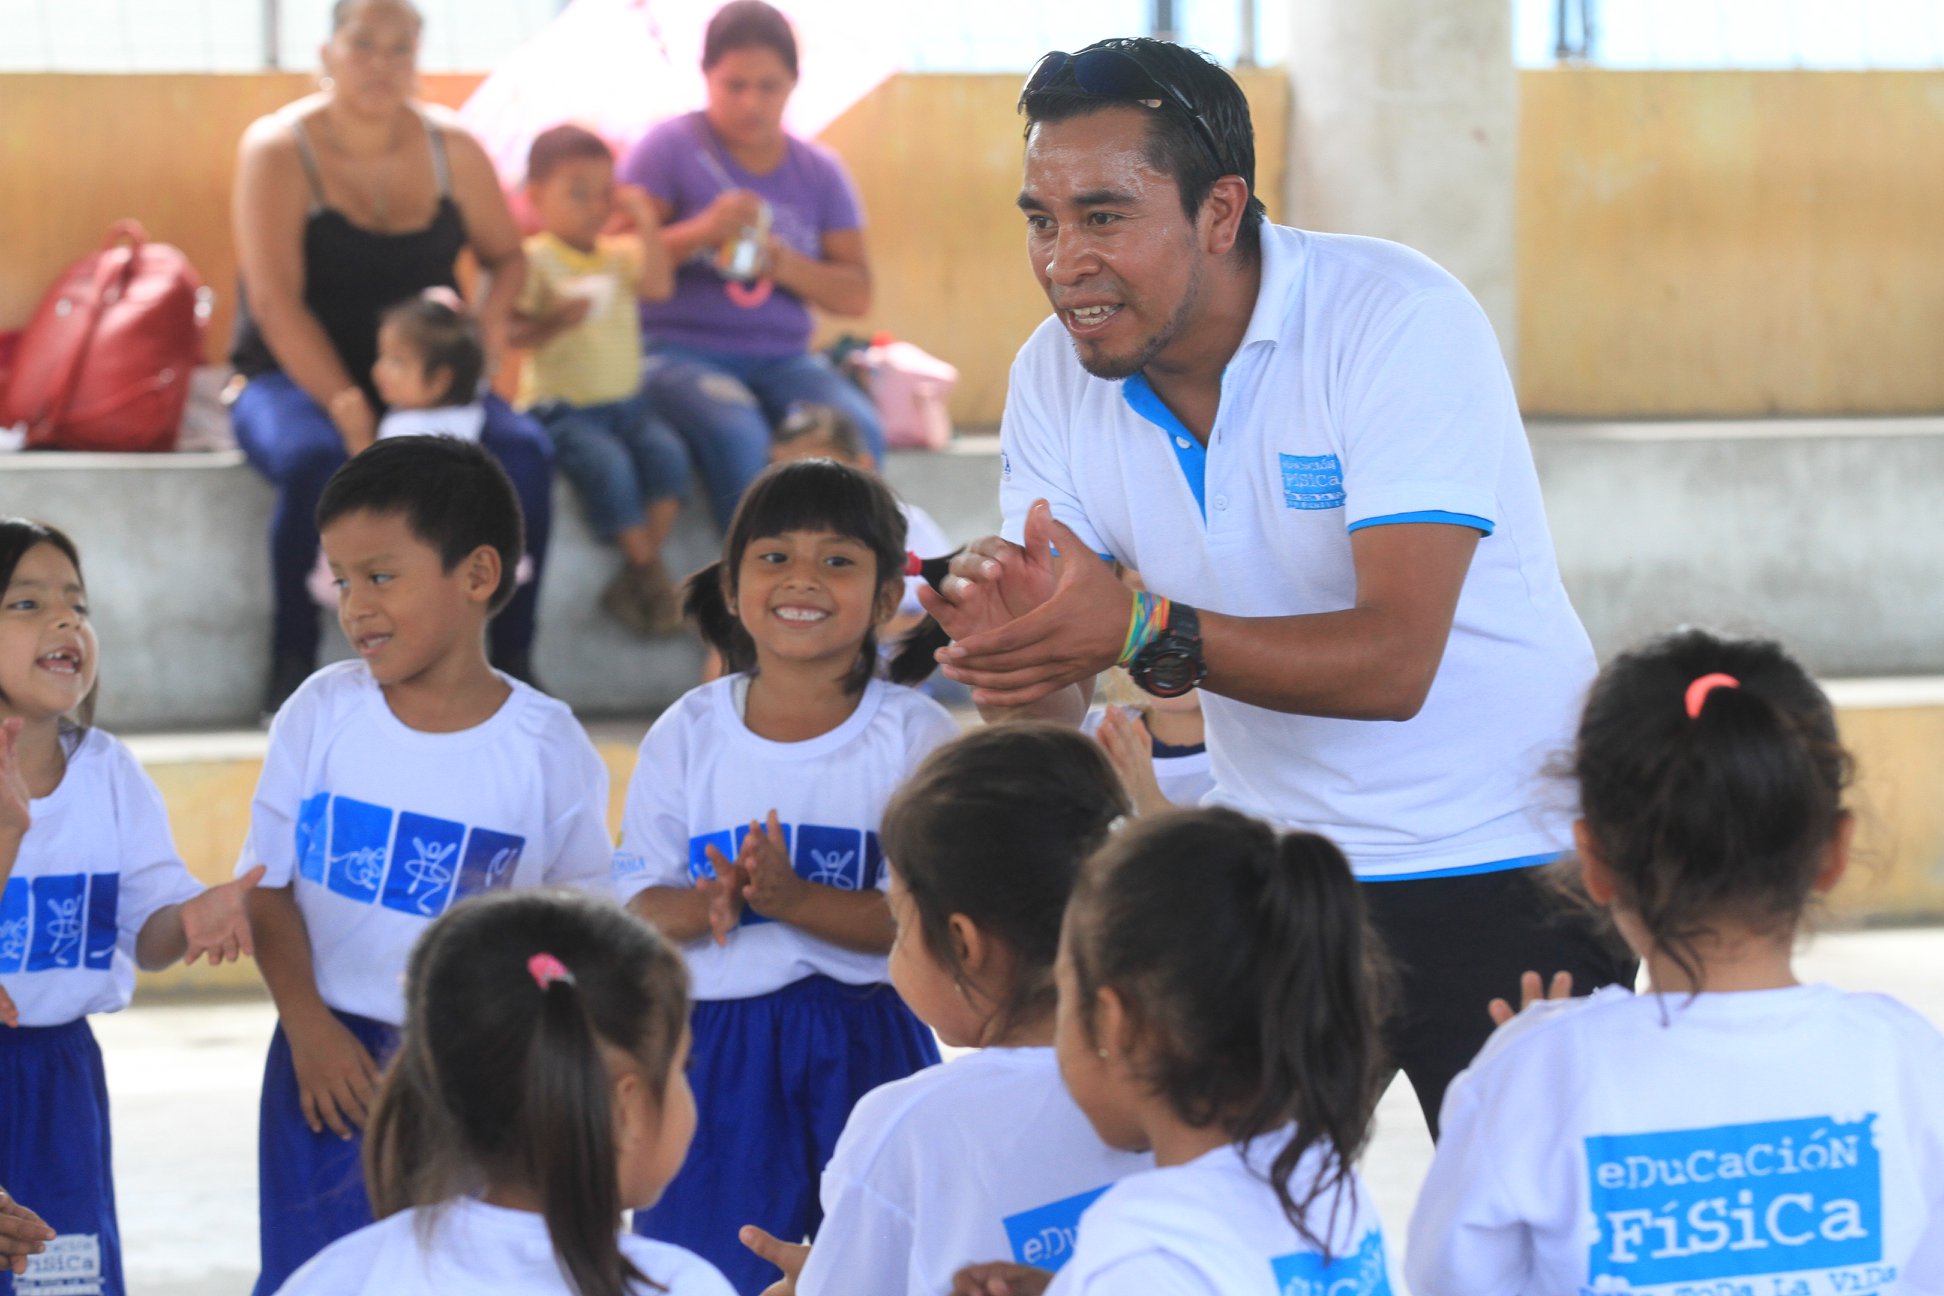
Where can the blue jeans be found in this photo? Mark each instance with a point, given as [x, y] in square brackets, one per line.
[724, 406]
[620, 457]
[288, 438]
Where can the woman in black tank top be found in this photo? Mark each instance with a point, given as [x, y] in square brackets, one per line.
[347, 202]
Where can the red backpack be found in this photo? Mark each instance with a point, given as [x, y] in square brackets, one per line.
[105, 362]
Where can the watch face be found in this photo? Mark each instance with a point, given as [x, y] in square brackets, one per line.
[1171, 673]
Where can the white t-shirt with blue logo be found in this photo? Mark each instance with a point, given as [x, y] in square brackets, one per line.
[381, 827]
[1368, 389]
[1214, 1227]
[482, 1250]
[1781, 1142]
[702, 777]
[96, 864]
[984, 1158]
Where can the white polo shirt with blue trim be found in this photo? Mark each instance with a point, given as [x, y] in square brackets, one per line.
[1368, 390]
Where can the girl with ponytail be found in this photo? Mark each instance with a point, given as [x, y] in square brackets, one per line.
[539, 1091]
[750, 838]
[1219, 1004]
[1732, 1128]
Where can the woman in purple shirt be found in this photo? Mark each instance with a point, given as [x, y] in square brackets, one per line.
[726, 357]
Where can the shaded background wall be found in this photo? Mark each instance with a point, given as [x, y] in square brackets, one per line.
[1688, 243]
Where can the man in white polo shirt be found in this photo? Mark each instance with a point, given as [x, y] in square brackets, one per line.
[1308, 446]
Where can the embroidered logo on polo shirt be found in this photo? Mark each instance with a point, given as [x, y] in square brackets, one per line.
[1312, 481]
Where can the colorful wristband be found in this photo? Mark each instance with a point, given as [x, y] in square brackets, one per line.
[1149, 619]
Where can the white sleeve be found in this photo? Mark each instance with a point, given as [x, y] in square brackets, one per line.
[1424, 414]
[272, 841]
[1462, 1239]
[583, 850]
[1147, 1273]
[654, 824]
[152, 873]
[1033, 459]
[863, 1247]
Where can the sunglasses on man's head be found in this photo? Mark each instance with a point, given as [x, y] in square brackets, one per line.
[1118, 74]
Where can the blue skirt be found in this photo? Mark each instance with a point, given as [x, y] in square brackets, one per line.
[55, 1155]
[775, 1078]
[310, 1187]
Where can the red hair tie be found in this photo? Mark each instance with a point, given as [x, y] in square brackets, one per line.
[545, 969]
[1697, 692]
[914, 565]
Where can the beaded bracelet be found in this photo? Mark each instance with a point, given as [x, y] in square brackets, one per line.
[1150, 618]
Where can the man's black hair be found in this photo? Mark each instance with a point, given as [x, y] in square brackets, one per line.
[451, 493]
[1175, 145]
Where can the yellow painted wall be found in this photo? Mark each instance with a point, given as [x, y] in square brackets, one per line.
[1730, 243]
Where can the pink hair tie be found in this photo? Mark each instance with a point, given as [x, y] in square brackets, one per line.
[1697, 692]
[914, 565]
[441, 295]
[546, 969]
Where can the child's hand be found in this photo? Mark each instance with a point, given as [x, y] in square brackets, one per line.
[1561, 988]
[16, 804]
[214, 922]
[568, 312]
[22, 1234]
[1000, 1278]
[1130, 750]
[774, 887]
[640, 208]
[9, 1014]
[725, 893]
[787, 1256]
[336, 1078]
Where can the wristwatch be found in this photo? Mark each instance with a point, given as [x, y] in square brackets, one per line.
[1170, 664]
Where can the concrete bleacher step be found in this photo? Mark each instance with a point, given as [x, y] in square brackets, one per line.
[1895, 727]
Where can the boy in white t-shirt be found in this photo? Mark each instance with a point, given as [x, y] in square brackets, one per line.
[393, 787]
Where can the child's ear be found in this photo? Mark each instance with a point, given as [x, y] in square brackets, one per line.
[438, 378]
[970, 945]
[1114, 1026]
[483, 571]
[729, 592]
[1594, 873]
[1836, 855]
[890, 595]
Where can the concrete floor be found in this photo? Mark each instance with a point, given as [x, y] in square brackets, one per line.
[184, 1079]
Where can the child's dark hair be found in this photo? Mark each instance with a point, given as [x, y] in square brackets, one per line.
[811, 495]
[446, 336]
[502, 1078]
[823, 425]
[1725, 815]
[748, 24]
[17, 536]
[452, 494]
[1251, 979]
[341, 11]
[994, 825]
[556, 146]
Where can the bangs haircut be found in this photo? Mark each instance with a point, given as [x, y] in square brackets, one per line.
[1174, 145]
[452, 494]
[801, 495]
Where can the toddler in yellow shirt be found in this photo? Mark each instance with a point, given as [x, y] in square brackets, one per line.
[583, 382]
